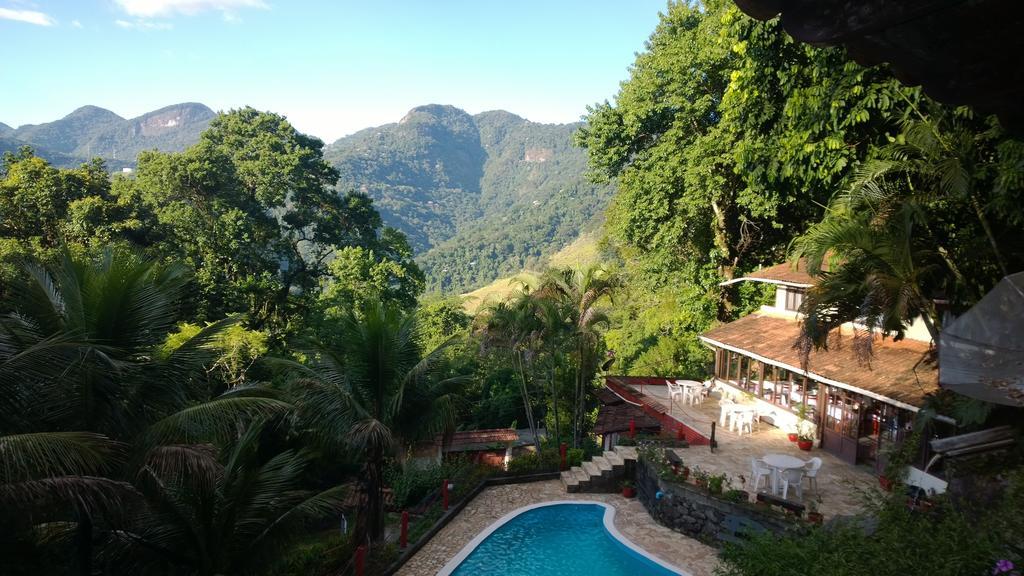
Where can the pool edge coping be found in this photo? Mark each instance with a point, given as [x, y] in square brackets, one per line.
[609, 526]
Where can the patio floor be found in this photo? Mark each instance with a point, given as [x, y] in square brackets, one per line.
[631, 519]
[842, 486]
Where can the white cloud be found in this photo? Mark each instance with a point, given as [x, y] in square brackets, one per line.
[150, 8]
[143, 25]
[76, 24]
[28, 16]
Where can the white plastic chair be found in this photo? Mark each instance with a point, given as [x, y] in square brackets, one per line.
[792, 477]
[674, 390]
[726, 410]
[758, 470]
[811, 473]
[743, 420]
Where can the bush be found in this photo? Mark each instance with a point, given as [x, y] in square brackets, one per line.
[903, 542]
[574, 456]
[530, 462]
[413, 484]
[322, 554]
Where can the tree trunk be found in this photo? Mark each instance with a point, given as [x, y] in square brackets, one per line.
[726, 265]
[375, 496]
[988, 233]
[526, 400]
[84, 549]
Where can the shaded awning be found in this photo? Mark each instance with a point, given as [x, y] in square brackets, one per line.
[959, 51]
[981, 353]
[616, 417]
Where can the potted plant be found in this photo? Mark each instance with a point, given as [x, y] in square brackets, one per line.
[813, 515]
[684, 473]
[715, 483]
[805, 441]
[628, 490]
[700, 477]
[793, 436]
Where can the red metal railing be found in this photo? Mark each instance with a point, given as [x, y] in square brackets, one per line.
[631, 388]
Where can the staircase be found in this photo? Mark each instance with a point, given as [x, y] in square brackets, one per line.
[601, 473]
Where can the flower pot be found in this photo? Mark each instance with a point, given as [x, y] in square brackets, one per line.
[793, 436]
[885, 483]
[628, 492]
[805, 445]
[815, 517]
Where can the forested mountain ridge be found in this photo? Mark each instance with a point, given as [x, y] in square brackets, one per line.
[478, 196]
[91, 131]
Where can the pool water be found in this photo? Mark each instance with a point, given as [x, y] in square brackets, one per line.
[557, 540]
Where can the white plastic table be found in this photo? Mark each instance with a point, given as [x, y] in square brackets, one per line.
[690, 389]
[781, 462]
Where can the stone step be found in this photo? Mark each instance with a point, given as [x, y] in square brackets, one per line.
[570, 482]
[626, 452]
[613, 458]
[591, 469]
[581, 477]
[603, 465]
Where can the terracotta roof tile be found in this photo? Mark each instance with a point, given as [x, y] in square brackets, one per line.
[615, 418]
[607, 397]
[896, 370]
[467, 440]
[785, 273]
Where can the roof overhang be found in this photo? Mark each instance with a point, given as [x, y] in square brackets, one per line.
[766, 281]
[811, 375]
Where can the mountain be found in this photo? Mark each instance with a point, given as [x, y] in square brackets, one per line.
[91, 131]
[479, 197]
[5, 129]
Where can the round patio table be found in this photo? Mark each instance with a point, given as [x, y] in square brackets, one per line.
[781, 462]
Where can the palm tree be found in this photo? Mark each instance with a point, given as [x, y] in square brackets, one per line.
[579, 294]
[211, 511]
[371, 390]
[88, 388]
[513, 324]
[880, 275]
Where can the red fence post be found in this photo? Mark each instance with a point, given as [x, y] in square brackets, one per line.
[632, 428]
[564, 465]
[403, 539]
[444, 494]
[360, 560]
[680, 433]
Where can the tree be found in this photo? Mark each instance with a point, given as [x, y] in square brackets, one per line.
[513, 325]
[87, 393]
[577, 296]
[725, 142]
[208, 513]
[370, 388]
[926, 218]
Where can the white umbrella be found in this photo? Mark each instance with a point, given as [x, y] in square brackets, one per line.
[981, 353]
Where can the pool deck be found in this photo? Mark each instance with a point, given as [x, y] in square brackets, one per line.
[631, 519]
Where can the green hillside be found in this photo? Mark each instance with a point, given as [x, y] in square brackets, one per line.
[91, 131]
[480, 197]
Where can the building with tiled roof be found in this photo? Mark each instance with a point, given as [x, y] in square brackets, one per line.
[858, 405]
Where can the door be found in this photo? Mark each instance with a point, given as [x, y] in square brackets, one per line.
[840, 424]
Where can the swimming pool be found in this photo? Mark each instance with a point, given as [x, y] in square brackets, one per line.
[567, 538]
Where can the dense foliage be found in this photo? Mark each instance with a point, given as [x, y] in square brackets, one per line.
[479, 197]
[727, 143]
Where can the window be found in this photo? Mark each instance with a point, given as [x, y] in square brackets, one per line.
[794, 298]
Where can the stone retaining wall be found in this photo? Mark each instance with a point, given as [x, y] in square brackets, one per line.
[694, 512]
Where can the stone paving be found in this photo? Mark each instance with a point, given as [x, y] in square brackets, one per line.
[842, 487]
[631, 519]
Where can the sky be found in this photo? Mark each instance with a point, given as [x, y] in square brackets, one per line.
[331, 67]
